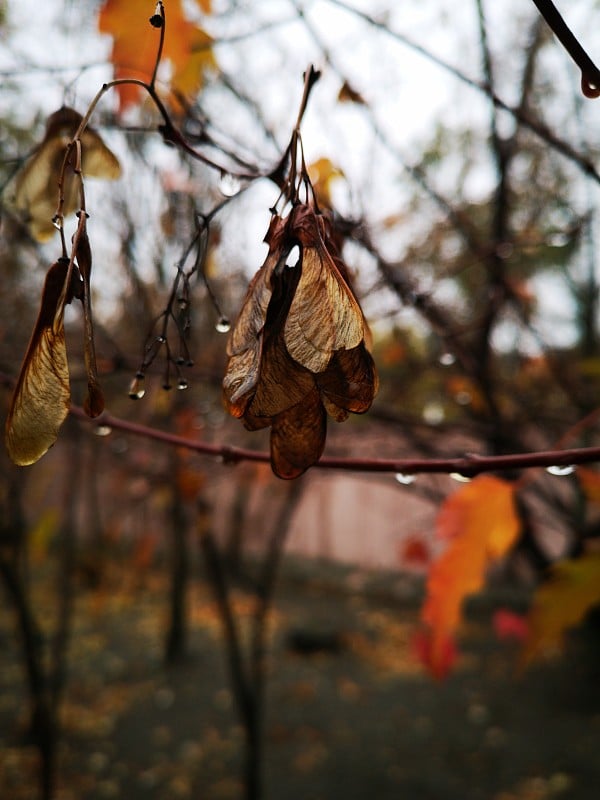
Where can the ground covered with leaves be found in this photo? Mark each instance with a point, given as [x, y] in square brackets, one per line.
[350, 713]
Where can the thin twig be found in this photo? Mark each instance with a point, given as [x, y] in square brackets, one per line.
[590, 74]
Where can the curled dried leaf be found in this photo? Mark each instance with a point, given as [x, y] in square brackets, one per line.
[41, 399]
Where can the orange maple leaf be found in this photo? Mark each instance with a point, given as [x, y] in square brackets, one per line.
[187, 47]
[481, 523]
[589, 480]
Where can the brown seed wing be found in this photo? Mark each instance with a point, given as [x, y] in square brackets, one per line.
[283, 382]
[41, 399]
[298, 437]
[349, 383]
[324, 315]
[98, 160]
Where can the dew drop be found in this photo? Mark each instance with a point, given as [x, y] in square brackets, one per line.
[228, 185]
[223, 325]
[459, 477]
[182, 384]
[180, 361]
[405, 478]
[447, 359]
[161, 339]
[57, 222]
[137, 388]
[102, 430]
[560, 470]
[183, 303]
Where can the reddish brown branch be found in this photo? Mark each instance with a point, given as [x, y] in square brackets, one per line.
[468, 465]
[590, 74]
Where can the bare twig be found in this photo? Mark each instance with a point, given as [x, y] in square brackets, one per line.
[590, 74]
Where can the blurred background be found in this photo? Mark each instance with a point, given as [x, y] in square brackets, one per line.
[176, 626]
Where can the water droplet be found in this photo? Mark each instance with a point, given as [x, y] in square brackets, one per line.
[180, 361]
[102, 430]
[167, 387]
[182, 383]
[161, 339]
[223, 325]
[183, 303]
[57, 222]
[137, 388]
[560, 470]
[405, 478]
[458, 476]
[228, 185]
[447, 359]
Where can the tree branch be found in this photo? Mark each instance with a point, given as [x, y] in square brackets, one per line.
[468, 465]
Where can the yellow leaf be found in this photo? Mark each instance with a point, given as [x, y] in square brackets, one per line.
[481, 523]
[561, 603]
[135, 42]
[188, 77]
[43, 532]
[321, 173]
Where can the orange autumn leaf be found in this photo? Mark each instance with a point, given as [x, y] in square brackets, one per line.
[414, 551]
[589, 480]
[187, 47]
[481, 524]
[562, 603]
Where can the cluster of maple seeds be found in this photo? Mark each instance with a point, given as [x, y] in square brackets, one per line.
[298, 350]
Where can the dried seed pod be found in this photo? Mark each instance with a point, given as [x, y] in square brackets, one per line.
[297, 349]
[32, 194]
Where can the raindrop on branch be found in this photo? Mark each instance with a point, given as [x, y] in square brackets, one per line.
[223, 325]
[459, 477]
[405, 478]
[182, 384]
[447, 359]
[137, 388]
[102, 430]
[560, 470]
